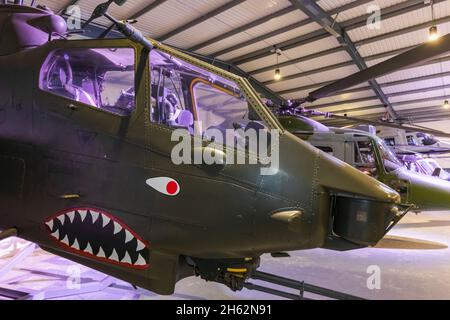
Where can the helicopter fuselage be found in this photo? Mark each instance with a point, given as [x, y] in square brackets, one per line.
[100, 187]
[372, 156]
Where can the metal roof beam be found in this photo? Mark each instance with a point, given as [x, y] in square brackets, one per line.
[420, 90]
[152, 5]
[243, 28]
[399, 82]
[315, 12]
[389, 12]
[268, 18]
[344, 64]
[357, 43]
[327, 52]
[431, 119]
[310, 37]
[434, 111]
[338, 103]
[310, 72]
[406, 102]
[417, 27]
[382, 85]
[201, 19]
[276, 32]
[365, 99]
[400, 103]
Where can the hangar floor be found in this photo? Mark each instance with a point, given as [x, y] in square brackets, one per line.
[413, 259]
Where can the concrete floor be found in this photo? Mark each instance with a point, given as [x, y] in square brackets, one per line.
[413, 261]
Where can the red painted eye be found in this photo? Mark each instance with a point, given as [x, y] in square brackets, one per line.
[172, 187]
[165, 185]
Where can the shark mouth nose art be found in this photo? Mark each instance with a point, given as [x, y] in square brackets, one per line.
[99, 235]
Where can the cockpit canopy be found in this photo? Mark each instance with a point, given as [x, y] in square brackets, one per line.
[183, 93]
[102, 78]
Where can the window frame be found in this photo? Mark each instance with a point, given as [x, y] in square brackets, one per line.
[244, 85]
[238, 81]
[90, 44]
[197, 81]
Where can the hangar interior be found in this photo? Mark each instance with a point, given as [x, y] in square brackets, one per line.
[287, 49]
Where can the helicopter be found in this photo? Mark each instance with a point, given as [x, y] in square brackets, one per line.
[429, 166]
[86, 137]
[414, 149]
[370, 154]
[410, 142]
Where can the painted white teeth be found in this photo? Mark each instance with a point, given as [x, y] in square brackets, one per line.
[88, 249]
[127, 258]
[82, 214]
[61, 218]
[71, 215]
[139, 245]
[114, 256]
[75, 245]
[128, 236]
[101, 253]
[94, 216]
[105, 220]
[56, 234]
[140, 261]
[50, 224]
[117, 228]
[65, 240]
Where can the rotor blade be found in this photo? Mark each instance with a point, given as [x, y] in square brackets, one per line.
[419, 127]
[411, 57]
[105, 33]
[404, 149]
[98, 12]
[385, 124]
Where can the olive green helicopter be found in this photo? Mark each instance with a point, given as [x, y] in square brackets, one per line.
[88, 129]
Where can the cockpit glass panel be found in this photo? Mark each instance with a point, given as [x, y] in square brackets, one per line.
[390, 141]
[410, 140]
[189, 97]
[426, 139]
[101, 78]
[390, 160]
[365, 159]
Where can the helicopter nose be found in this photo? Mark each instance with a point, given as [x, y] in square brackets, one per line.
[363, 209]
[427, 193]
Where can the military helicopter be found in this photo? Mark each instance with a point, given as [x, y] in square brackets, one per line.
[371, 155]
[414, 149]
[86, 142]
[412, 142]
[429, 166]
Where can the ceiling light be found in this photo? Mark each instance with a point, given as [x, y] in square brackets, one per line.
[446, 104]
[277, 75]
[433, 33]
[278, 53]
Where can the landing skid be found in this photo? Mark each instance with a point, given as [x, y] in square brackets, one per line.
[294, 284]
